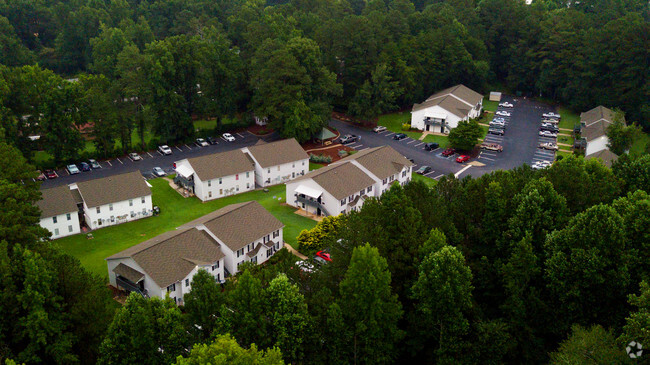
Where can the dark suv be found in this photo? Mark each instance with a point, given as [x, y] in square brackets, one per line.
[431, 146]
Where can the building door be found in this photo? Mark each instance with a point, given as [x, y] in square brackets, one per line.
[442, 129]
[318, 213]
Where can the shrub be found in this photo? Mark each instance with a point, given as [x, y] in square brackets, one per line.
[406, 126]
[319, 158]
[311, 240]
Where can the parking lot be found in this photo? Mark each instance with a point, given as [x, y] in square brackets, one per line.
[151, 159]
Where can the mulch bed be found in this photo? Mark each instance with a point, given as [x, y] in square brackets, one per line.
[332, 152]
[260, 130]
[358, 122]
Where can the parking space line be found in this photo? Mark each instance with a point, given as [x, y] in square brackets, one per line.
[188, 146]
[129, 157]
[462, 170]
[356, 145]
[439, 176]
[363, 149]
[382, 132]
[435, 150]
[415, 140]
[486, 158]
[179, 148]
[419, 144]
[159, 152]
[239, 134]
[120, 161]
[150, 155]
[491, 154]
[390, 134]
[432, 171]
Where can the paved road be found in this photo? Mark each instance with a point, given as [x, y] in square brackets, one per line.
[152, 159]
[519, 143]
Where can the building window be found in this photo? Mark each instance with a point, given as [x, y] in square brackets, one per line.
[54, 220]
[240, 252]
[68, 217]
[248, 173]
[350, 198]
[215, 266]
[384, 181]
[369, 188]
[278, 167]
[209, 183]
[303, 172]
[220, 181]
[69, 228]
[130, 202]
[143, 200]
[218, 277]
[236, 176]
[293, 175]
[303, 163]
[269, 252]
[343, 202]
[110, 207]
[98, 210]
[293, 165]
[187, 282]
[248, 185]
[209, 194]
[220, 191]
[276, 233]
[171, 288]
[56, 231]
[268, 171]
[237, 187]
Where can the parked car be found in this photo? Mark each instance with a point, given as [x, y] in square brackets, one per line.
[423, 170]
[497, 124]
[157, 171]
[349, 138]
[497, 131]
[324, 255]
[94, 164]
[41, 176]
[431, 146]
[462, 158]
[201, 142]
[134, 156]
[379, 128]
[547, 124]
[72, 169]
[399, 136]
[165, 150]
[51, 174]
[212, 140]
[305, 266]
[84, 166]
[549, 146]
[551, 115]
[548, 134]
[228, 137]
[538, 165]
[448, 152]
[492, 147]
[506, 104]
[551, 121]
[499, 119]
[503, 113]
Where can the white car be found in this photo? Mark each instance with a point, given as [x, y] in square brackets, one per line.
[548, 134]
[499, 119]
[305, 266]
[201, 142]
[134, 156]
[538, 165]
[379, 128]
[548, 146]
[551, 115]
[165, 150]
[158, 171]
[228, 137]
[552, 121]
[506, 105]
[72, 169]
[498, 122]
[503, 113]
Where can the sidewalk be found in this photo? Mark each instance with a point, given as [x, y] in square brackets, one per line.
[293, 251]
[425, 134]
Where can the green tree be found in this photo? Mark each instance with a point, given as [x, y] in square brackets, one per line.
[99, 107]
[224, 350]
[145, 331]
[593, 345]
[203, 304]
[369, 308]
[443, 294]
[637, 324]
[288, 318]
[377, 95]
[245, 316]
[12, 51]
[621, 137]
[465, 136]
[633, 172]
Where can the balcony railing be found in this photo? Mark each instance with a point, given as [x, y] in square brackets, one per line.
[130, 287]
[311, 201]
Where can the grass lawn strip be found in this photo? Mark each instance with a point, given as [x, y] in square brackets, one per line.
[175, 211]
[428, 181]
[393, 122]
[569, 118]
[490, 106]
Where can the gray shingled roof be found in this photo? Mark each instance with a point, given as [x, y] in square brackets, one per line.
[597, 113]
[594, 131]
[56, 201]
[607, 156]
[113, 189]
[340, 180]
[382, 161]
[171, 256]
[277, 153]
[239, 224]
[448, 103]
[221, 164]
[462, 92]
[128, 272]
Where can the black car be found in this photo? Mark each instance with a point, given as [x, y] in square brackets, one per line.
[348, 138]
[431, 146]
[211, 140]
[423, 170]
[84, 166]
[549, 128]
[399, 136]
[496, 131]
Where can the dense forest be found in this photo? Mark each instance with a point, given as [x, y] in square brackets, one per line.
[149, 66]
[514, 267]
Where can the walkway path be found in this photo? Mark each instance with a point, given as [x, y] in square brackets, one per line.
[293, 251]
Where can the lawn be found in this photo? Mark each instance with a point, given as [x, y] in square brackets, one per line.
[441, 140]
[175, 211]
[569, 118]
[429, 182]
[562, 153]
[205, 124]
[640, 144]
[394, 123]
[490, 106]
[565, 139]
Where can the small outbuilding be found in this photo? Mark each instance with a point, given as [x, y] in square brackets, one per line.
[495, 96]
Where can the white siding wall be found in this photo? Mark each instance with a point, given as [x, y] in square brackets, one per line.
[417, 118]
[224, 186]
[62, 226]
[596, 145]
[280, 173]
[153, 290]
[121, 209]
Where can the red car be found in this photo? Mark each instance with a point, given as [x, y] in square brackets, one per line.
[448, 152]
[51, 174]
[324, 255]
[462, 158]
